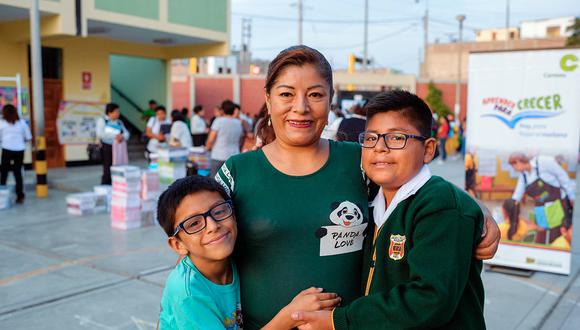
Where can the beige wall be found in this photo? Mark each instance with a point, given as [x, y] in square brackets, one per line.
[373, 81]
[442, 58]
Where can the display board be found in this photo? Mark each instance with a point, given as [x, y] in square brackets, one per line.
[523, 132]
[76, 122]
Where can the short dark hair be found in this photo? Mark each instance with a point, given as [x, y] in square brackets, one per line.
[197, 108]
[171, 198]
[111, 107]
[228, 107]
[10, 113]
[408, 104]
[151, 102]
[177, 115]
[160, 108]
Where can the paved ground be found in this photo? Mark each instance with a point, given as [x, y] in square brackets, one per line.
[65, 272]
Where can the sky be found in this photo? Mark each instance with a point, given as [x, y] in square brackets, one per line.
[395, 30]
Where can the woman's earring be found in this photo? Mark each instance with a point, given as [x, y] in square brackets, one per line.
[269, 121]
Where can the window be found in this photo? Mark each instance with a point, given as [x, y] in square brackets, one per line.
[553, 31]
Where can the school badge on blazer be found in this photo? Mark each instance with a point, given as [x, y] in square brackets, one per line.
[397, 247]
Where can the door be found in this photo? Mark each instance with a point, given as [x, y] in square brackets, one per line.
[52, 98]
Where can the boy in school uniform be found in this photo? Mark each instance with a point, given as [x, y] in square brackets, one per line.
[203, 291]
[419, 267]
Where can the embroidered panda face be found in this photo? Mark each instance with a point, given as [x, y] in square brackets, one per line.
[346, 214]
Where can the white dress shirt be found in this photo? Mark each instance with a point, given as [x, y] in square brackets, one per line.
[381, 212]
[550, 172]
[13, 137]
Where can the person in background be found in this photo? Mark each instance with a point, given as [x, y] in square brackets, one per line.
[225, 137]
[14, 134]
[110, 128]
[186, 116]
[151, 110]
[154, 129]
[350, 128]
[547, 184]
[179, 135]
[198, 126]
[217, 112]
[513, 227]
[442, 133]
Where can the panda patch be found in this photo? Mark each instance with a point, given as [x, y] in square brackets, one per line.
[346, 214]
[348, 232]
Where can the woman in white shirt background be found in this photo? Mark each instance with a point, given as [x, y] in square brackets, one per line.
[14, 134]
[179, 135]
[199, 127]
[157, 128]
[110, 129]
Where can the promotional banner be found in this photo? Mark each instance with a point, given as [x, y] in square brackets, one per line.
[9, 95]
[523, 133]
[76, 122]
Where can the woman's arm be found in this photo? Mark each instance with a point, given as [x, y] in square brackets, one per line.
[210, 140]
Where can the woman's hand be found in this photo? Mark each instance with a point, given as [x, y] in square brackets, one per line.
[119, 137]
[309, 300]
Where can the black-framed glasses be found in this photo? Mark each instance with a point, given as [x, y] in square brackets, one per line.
[197, 222]
[393, 141]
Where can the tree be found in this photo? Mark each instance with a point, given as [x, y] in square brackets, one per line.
[574, 39]
[435, 100]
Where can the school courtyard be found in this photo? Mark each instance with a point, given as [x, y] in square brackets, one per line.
[61, 271]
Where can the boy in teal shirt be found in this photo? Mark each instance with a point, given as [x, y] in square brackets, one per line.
[419, 267]
[203, 291]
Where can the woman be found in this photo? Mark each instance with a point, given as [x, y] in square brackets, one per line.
[225, 137]
[198, 126]
[110, 129]
[179, 135]
[14, 134]
[157, 129]
[300, 200]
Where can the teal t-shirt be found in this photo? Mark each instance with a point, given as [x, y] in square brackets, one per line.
[191, 301]
[295, 232]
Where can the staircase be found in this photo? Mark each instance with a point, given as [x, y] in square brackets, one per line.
[131, 115]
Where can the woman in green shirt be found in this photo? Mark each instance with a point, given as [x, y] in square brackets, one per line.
[301, 201]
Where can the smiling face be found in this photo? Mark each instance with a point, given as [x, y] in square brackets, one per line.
[392, 168]
[216, 241]
[299, 103]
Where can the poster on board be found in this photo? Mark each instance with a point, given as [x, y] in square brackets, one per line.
[523, 138]
[76, 122]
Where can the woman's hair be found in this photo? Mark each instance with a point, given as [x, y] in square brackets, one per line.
[10, 113]
[176, 115]
[111, 107]
[518, 157]
[197, 109]
[292, 56]
[185, 111]
[512, 209]
[264, 131]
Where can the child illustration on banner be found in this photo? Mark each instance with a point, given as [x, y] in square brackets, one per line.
[542, 179]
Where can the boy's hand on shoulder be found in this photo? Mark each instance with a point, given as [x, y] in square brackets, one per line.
[320, 320]
[490, 238]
